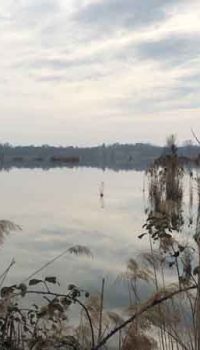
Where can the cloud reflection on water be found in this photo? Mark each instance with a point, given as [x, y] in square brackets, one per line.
[60, 208]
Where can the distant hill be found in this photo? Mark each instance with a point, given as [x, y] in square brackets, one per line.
[116, 156]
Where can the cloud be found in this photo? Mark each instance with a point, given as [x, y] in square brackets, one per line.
[120, 14]
[59, 63]
[26, 13]
[106, 64]
[173, 50]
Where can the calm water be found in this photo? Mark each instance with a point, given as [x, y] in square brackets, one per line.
[60, 208]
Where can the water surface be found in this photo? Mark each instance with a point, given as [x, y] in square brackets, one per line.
[60, 208]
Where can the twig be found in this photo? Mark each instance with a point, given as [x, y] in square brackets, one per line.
[148, 305]
[195, 136]
[5, 273]
[47, 264]
[101, 309]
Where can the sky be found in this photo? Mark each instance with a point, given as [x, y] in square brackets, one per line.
[87, 72]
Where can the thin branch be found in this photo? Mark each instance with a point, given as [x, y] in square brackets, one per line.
[47, 264]
[148, 305]
[5, 273]
[77, 250]
[101, 309]
[177, 339]
[89, 319]
[195, 136]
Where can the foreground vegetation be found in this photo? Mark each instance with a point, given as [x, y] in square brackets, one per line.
[169, 270]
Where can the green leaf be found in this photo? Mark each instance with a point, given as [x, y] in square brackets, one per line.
[51, 280]
[66, 301]
[6, 291]
[142, 235]
[34, 281]
[71, 286]
[23, 289]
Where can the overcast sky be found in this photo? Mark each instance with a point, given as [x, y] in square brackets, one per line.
[92, 71]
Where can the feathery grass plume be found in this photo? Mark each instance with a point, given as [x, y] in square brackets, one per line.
[166, 315]
[93, 306]
[134, 271]
[80, 250]
[143, 323]
[132, 276]
[115, 317]
[6, 227]
[173, 317]
[139, 341]
[155, 259]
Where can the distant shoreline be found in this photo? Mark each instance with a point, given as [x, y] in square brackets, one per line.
[116, 157]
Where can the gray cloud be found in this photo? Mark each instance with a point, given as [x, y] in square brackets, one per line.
[123, 13]
[55, 48]
[60, 63]
[180, 96]
[192, 80]
[60, 70]
[172, 50]
[64, 68]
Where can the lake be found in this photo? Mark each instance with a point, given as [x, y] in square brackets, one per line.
[60, 208]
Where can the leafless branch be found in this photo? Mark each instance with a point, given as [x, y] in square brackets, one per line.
[152, 302]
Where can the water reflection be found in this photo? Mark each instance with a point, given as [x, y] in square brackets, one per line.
[102, 202]
[59, 209]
